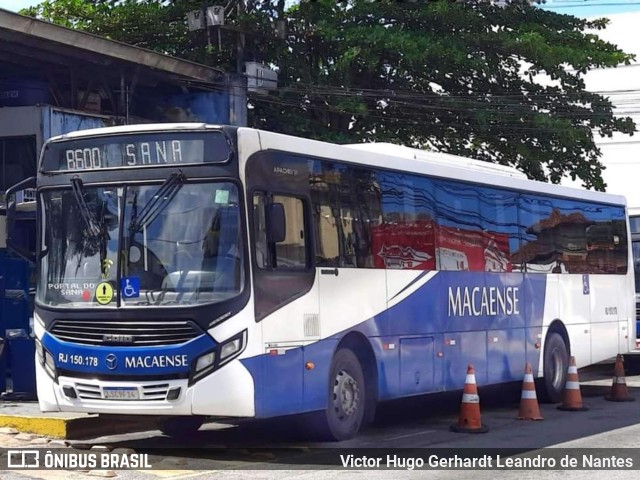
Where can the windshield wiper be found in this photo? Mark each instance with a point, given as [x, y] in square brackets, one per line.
[165, 194]
[93, 227]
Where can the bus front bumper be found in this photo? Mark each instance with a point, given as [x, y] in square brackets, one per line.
[227, 392]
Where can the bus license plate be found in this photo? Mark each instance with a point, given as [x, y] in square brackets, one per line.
[121, 393]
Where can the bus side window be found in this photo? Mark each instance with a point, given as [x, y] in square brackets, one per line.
[290, 253]
[260, 230]
[326, 241]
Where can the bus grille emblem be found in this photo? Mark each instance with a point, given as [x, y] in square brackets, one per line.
[111, 361]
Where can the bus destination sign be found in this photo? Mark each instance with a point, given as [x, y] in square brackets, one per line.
[132, 154]
[126, 151]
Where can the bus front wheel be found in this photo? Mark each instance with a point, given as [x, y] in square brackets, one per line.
[346, 399]
[556, 362]
[181, 426]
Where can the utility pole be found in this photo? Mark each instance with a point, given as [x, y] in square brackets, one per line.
[241, 39]
[238, 87]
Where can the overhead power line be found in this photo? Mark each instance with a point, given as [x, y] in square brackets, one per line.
[445, 105]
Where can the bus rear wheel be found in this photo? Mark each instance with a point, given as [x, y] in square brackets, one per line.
[555, 364]
[180, 427]
[344, 414]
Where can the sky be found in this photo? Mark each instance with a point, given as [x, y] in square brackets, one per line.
[16, 5]
[579, 8]
[592, 8]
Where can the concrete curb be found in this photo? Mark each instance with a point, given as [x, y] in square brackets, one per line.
[76, 428]
[48, 426]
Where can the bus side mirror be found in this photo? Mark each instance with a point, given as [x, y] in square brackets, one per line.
[277, 227]
[11, 219]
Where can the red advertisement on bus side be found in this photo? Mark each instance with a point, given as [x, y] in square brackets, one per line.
[404, 245]
[423, 245]
[478, 251]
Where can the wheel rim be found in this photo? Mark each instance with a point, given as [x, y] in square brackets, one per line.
[346, 395]
[557, 361]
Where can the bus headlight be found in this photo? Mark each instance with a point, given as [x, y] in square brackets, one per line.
[232, 348]
[205, 361]
[49, 364]
[204, 365]
[226, 351]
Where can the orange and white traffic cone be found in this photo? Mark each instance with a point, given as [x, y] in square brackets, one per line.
[529, 408]
[469, 420]
[571, 397]
[619, 392]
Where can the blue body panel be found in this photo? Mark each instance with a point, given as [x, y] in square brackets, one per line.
[284, 386]
[278, 382]
[434, 335]
[416, 365]
[143, 361]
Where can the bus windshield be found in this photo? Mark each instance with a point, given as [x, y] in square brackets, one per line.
[172, 244]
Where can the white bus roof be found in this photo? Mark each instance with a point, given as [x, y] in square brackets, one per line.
[441, 165]
[438, 157]
[138, 128]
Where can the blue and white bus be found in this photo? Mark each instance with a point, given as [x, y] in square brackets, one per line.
[190, 270]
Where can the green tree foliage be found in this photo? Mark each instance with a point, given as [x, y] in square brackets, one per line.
[502, 84]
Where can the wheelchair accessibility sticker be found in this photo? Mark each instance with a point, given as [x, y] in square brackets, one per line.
[130, 287]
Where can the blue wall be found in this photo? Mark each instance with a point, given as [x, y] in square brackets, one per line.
[56, 122]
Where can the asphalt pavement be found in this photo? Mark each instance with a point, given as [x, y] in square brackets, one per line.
[278, 448]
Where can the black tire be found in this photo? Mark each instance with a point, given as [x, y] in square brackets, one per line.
[180, 427]
[346, 399]
[555, 364]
